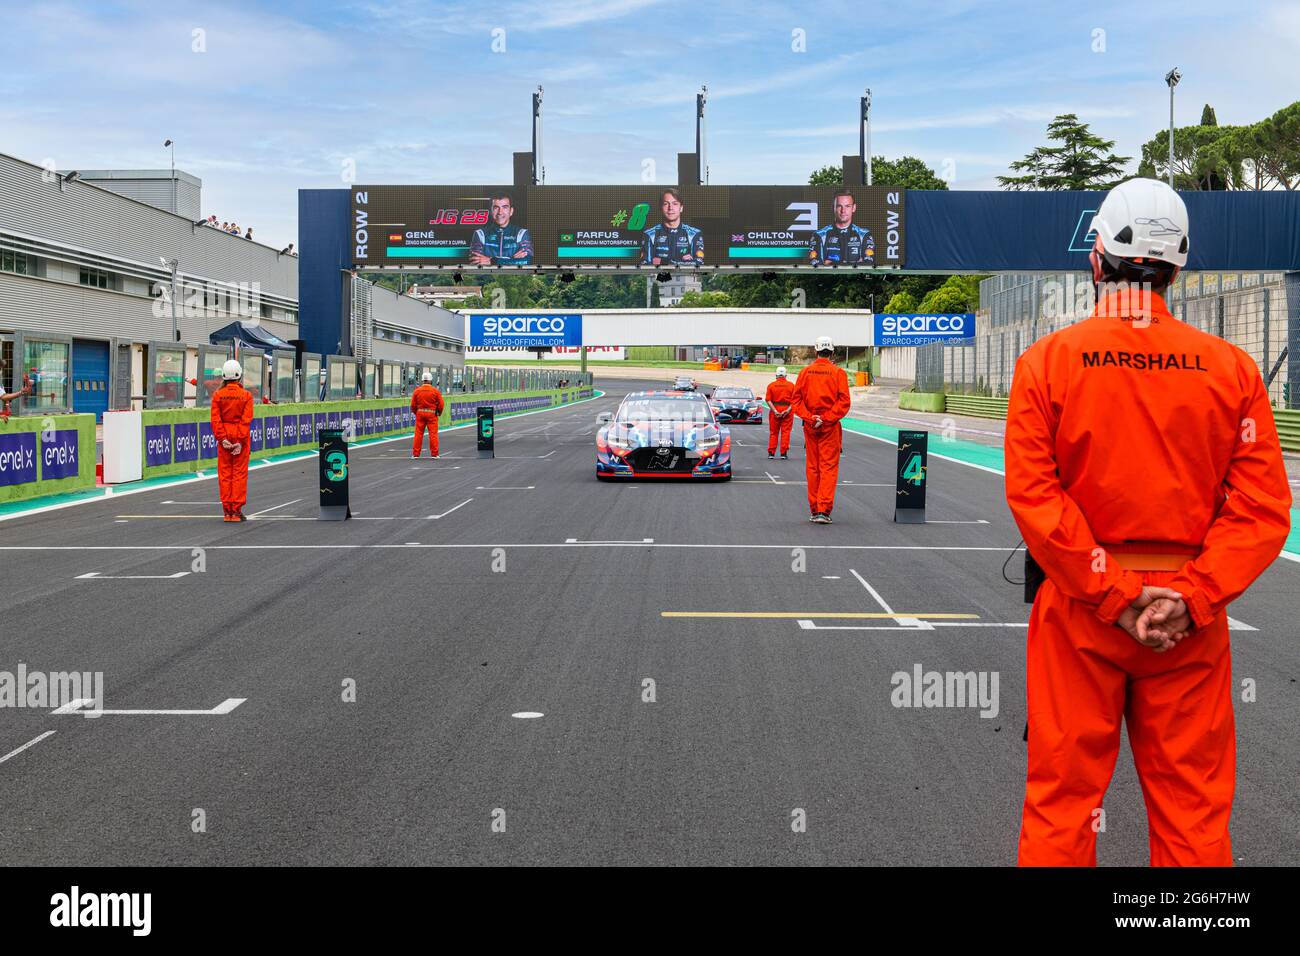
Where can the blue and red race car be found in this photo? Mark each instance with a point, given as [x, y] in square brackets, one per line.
[668, 434]
[733, 403]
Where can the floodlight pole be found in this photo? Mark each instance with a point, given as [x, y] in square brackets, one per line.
[539, 174]
[864, 137]
[172, 146]
[701, 98]
[175, 265]
[1172, 78]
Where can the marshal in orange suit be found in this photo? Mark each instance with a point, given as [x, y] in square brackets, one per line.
[821, 399]
[781, 414]
[232, 418]
[426, 402]
[1144, 470]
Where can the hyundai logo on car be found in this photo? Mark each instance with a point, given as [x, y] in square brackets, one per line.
[525, 331]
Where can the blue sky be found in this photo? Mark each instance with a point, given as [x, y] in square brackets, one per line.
[286, 94]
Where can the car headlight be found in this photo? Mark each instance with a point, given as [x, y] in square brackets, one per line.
[620, 443]
[707, 444]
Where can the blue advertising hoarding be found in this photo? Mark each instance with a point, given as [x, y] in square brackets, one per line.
[59, 454]
[157, 445]
[17, 458]
[185, 441]
[207, 441]
[921, 329]
[510, 330]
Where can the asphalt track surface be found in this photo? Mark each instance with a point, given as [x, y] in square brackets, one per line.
[754, 719]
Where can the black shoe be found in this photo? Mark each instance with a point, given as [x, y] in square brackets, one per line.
[770, 457]
[821, 517]
[826, 517]
[815, 517]
[785, 457]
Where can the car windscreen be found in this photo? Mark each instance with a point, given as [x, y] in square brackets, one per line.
[664, 410]
[733, 393]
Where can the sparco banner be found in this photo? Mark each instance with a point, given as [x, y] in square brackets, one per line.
[503, 329]
[892, 329]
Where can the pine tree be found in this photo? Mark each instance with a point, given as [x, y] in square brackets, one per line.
[1083, 160]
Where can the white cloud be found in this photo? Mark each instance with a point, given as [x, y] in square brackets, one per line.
[424, 19]
[767, 82]
[972, 120]
[576, 12]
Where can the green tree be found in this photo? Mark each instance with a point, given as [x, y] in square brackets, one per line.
[1264, 155]
[704, 300]
[906, 171]
[1273, 146]
[827, 176]
[1207, 116]
[1205, 157]
[957, 294]
[901, 303]
[1082, 160]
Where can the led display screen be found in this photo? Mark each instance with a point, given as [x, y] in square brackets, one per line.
[638, 227]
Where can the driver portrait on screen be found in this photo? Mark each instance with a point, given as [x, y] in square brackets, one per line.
[501, 244]
[843, 243]
[672, 242]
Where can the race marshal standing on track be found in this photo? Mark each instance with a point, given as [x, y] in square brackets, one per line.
[781, 414]
[426, 402]
[232, 417]
[1143, 468]
[821, 399]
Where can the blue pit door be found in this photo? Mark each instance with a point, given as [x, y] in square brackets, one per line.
[90, 377]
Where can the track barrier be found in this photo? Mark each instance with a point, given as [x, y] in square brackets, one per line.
[46, 455]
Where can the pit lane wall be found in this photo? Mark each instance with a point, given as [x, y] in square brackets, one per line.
[46, 455]
[180, 441]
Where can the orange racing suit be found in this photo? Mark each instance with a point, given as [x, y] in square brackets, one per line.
[232, 418]
[426, 402]
[781, 419]
[1139, 451]
[822, 389]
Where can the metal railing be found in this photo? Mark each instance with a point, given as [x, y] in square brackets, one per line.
[1250, 310]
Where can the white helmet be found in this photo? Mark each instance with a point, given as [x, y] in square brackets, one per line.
[780, 371]
[232, 371]
[1143, 219]
[428, 376]
[824, 344]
